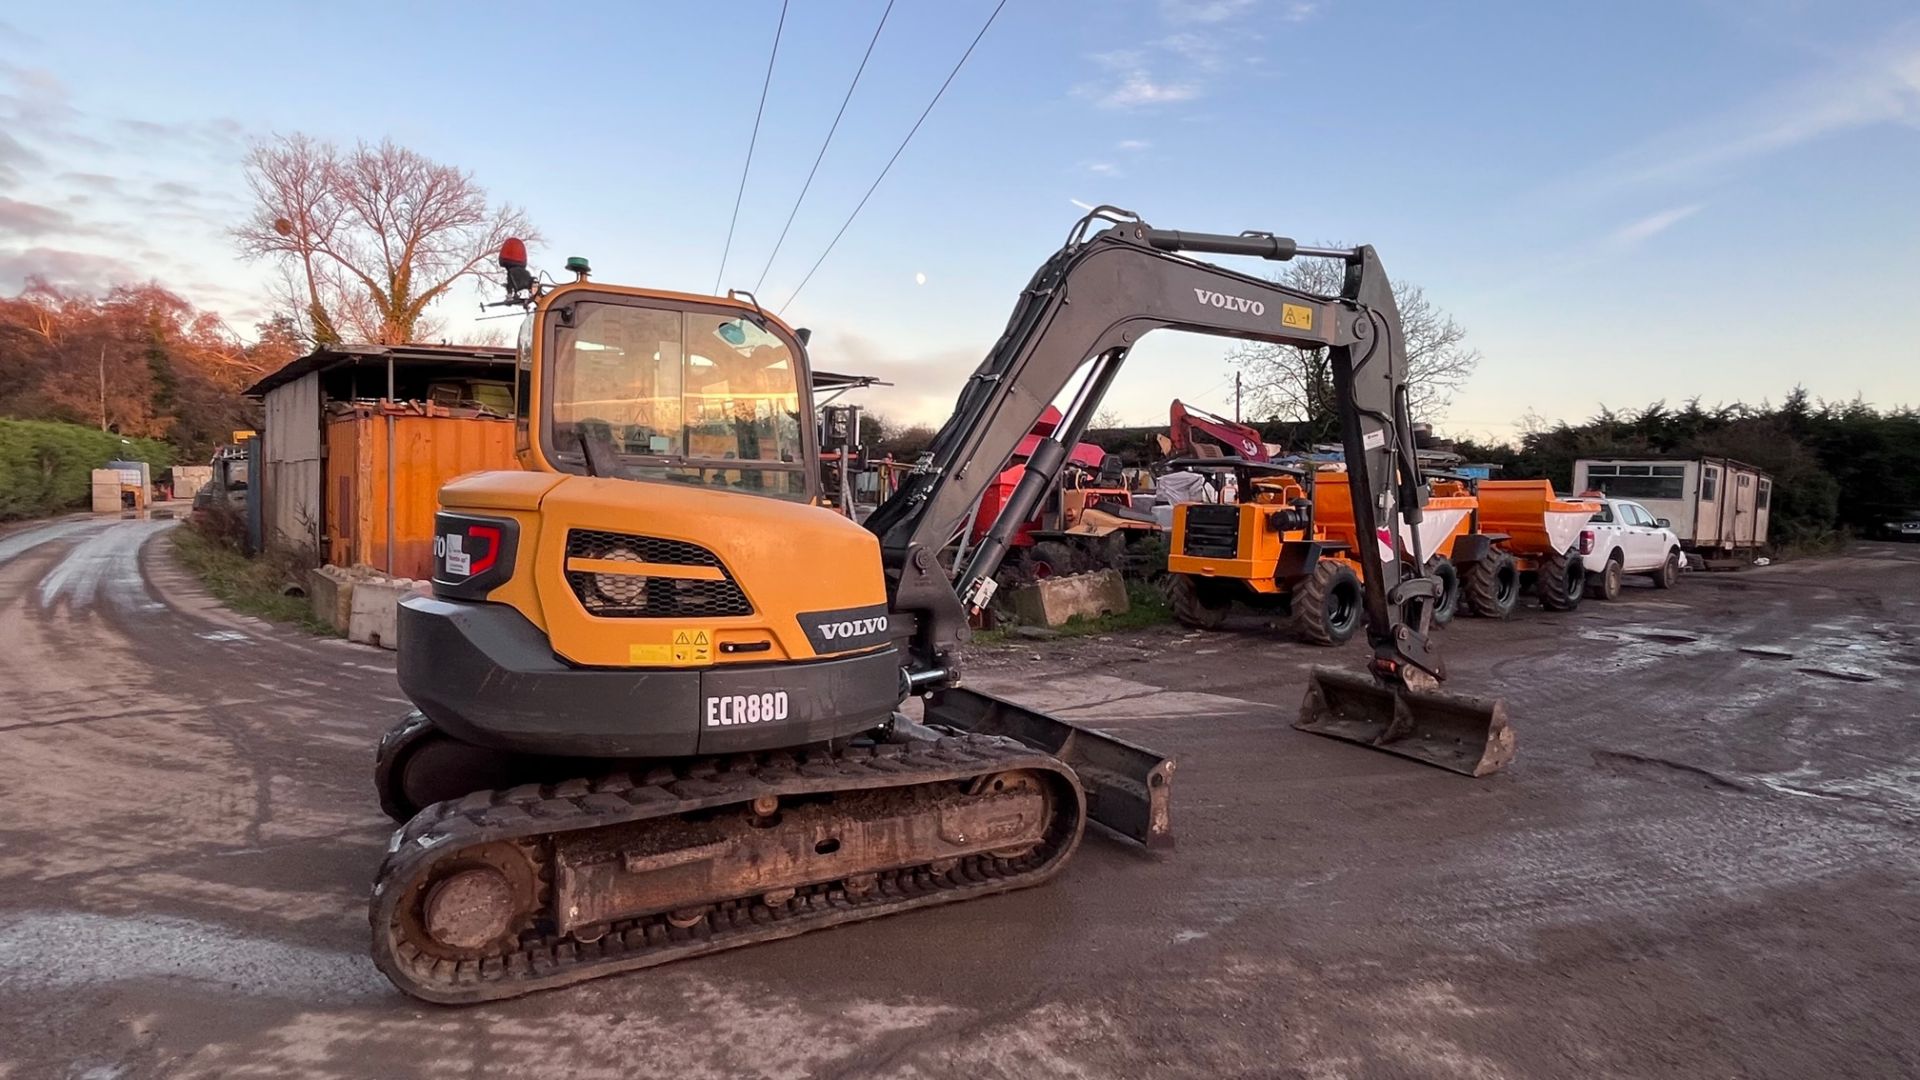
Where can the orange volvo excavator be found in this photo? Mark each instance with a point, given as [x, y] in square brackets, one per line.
[658, 688]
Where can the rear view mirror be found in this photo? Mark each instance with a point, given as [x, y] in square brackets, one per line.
[1663, 523]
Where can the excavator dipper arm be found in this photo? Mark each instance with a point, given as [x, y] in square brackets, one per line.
[1084, 310]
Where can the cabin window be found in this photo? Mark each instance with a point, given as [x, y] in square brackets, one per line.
[1709, 484]
[1639, 481]
[1766, 495]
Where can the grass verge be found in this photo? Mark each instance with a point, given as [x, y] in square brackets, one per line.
[248, 586]
[1146, 606]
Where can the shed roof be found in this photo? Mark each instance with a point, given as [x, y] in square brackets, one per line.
[329, 357]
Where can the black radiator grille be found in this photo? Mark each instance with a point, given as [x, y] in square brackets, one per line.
[631, 596]
[1213, 532]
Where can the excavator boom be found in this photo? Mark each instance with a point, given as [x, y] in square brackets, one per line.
[1184, 422]
[1083, 311]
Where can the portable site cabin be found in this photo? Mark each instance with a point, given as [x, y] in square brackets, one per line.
[1715, 505]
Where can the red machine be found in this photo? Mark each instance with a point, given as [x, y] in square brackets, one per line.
[1197, 433]
[1041, 547]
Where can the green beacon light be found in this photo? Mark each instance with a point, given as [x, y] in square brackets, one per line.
[577, 265]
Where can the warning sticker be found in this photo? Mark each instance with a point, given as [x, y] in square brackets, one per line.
[1374, 440]
[1296, 316]
[649, 654]
[692, 645]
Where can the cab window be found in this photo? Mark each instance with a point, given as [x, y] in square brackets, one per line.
[688, 396]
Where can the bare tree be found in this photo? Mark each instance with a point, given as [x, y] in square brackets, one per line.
[1288, 383]
[368, 238]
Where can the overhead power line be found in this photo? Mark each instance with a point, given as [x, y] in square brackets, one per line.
[896, 153]
[821, 156]
[748, 167]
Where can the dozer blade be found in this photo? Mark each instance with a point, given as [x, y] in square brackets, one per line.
[1464, 734]
[1127, 786]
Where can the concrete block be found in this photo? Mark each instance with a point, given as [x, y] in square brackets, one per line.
[106, 491]
[374, 610]
[1052, 601]
[330, 591]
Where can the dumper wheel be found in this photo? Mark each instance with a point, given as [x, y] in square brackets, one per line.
[1327, 606]
[1561, 581]
[1491, 585]
[1053, 558]
[1440, 567]
[1197, 602]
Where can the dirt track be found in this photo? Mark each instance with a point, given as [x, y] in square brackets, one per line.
[1702, 863]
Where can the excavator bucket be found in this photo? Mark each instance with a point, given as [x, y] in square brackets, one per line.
[1127, 786]
[1464, 734]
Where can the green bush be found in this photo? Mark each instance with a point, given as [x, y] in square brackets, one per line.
[47, 467]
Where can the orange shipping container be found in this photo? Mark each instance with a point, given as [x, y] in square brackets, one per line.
[430, 450]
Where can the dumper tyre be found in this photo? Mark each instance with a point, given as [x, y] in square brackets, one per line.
[1327, 607]
[1197, 602]
[1053, 558]
[1442, 569]
[1606, 584]
[1561, 581]
[1669, 573]
[1491, 585]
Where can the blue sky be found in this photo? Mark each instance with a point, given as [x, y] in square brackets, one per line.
[1621, 202]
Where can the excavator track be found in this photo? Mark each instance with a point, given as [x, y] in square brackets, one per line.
[504, 892]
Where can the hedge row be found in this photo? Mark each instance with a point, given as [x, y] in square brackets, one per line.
[47, 467]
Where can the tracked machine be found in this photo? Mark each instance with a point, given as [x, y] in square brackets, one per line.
[659, 692]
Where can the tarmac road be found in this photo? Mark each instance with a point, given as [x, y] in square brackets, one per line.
[1702, 863]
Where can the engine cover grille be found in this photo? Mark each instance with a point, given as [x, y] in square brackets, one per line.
[651, 596]
[1213, 531]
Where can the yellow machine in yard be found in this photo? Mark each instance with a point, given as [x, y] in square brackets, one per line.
[1291, 545]
[1266, 551]
[658, 686]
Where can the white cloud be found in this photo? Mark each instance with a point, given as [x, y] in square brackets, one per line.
[1202, 52]
[1098, 168]
[1213, 38]
[1638, 232]
[1204, 11]
[1132, 145]
[1139, 88]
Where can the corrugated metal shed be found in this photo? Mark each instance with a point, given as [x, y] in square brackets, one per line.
[290, 460]
[294, 491]
[430, 450]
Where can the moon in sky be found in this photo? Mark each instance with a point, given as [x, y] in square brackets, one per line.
[920, 279]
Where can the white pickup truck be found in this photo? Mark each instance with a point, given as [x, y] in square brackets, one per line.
[1623, 538]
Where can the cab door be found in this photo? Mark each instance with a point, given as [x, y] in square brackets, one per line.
[1642, 542]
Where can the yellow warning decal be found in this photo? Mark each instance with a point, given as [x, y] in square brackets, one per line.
[649, 654]
[692, 645]
[1297, 316]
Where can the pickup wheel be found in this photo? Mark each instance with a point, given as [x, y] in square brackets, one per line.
[1560, 582]
[1491, 586]
[1198, 602]
[1606, 584]
[1669, 573]
[1326, 606]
